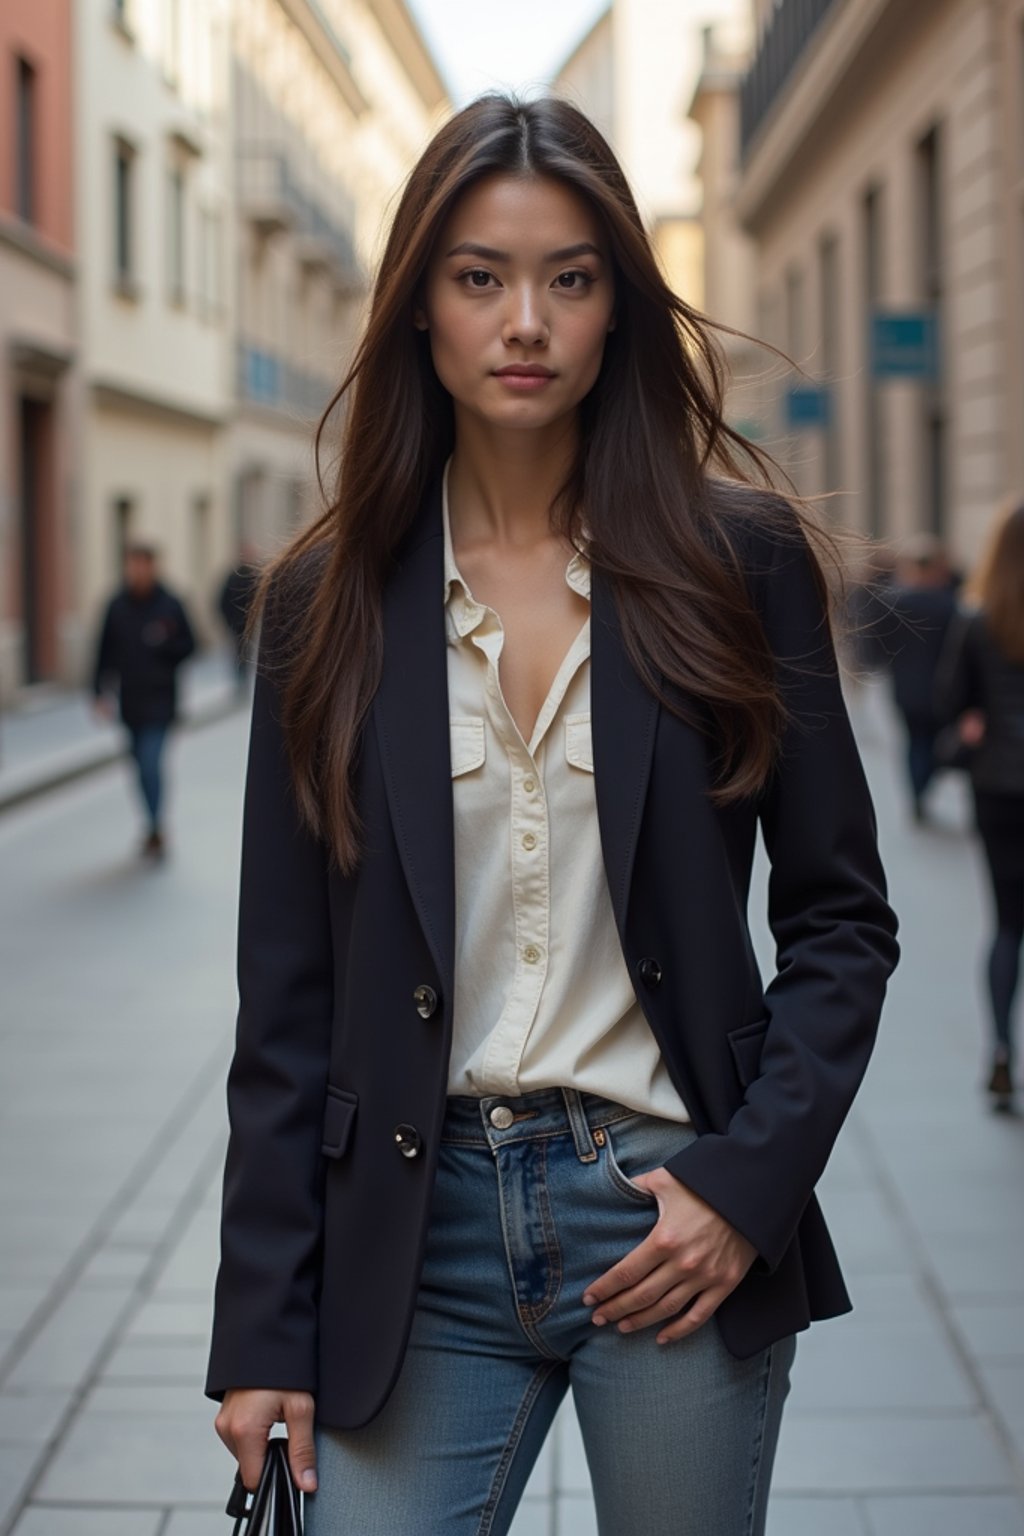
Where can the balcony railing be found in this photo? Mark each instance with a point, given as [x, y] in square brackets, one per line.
[263, 378]
[274, 200]
[791, 28]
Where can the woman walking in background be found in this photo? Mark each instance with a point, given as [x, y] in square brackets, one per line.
[981, 684]
[511, 1109]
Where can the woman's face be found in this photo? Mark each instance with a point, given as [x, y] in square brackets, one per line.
[518, 300]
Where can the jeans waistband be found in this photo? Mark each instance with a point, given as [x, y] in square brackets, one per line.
[498, 1119]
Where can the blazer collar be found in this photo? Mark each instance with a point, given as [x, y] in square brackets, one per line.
[411, 720]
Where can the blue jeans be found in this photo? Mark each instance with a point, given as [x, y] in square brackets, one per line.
[147, 746]
[679, 1438]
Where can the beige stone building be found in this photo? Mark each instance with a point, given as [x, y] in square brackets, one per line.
[333, 102]
[153, 194]
[880, 177]
[634, 75]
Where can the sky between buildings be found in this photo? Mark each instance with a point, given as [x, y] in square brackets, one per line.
[518, 44]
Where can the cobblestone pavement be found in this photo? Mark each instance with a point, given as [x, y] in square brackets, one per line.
[117, 1012]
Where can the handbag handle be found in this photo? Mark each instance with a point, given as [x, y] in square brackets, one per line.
[275, 1468]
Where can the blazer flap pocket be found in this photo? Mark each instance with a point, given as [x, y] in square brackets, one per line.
[746, 1046]
[579, 742]
[468, 749]
[339, 1118]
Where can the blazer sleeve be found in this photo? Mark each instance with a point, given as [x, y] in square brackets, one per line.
[264, 1330]
[834, 934]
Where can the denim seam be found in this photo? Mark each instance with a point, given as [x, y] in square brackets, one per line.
[530, 1315]
[755, 1471]
[533, 1390]
[523, 1314]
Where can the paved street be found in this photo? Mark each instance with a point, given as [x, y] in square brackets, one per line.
[117, 1011]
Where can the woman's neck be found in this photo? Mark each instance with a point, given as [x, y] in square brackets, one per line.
[501, 484]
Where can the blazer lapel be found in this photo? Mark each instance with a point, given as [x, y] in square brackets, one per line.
[624, 716]
[411, 718]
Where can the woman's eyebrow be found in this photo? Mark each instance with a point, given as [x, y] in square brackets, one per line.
[487, 253]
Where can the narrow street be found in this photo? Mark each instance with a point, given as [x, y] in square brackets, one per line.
[117, 1015]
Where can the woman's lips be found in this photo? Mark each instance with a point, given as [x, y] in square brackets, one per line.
[525, 381]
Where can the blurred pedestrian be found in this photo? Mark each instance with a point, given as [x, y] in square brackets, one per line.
[981, 686]
[145, 637]
[235, 603]
[921, 606]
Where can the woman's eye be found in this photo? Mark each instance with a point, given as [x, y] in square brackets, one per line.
[572, 281]
[477, 278]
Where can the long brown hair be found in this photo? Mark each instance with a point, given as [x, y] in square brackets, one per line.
[998, 584]
[650, 429]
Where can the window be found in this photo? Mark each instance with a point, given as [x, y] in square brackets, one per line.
[828, 266]
[795, 314]
[25, 139]
[176, 234]
[931, 262]
[124, 214]
[123, 511]
[871, 255]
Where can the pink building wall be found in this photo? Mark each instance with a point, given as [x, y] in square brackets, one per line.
[40, 32]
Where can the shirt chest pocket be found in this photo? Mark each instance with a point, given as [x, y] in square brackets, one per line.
[579, 743]
[468, 747]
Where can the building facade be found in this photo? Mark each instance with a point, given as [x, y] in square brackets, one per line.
[38, 396]
[332, 104]
[882, 182]
[634, 75]
[154, 185]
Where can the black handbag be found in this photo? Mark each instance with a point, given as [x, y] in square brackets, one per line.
[274, 1510]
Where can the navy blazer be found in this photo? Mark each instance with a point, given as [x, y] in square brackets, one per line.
[346, 987]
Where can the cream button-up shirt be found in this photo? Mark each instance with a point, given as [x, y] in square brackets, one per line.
[542, 995]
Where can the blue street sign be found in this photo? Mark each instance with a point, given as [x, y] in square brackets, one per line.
[808, 405]
[904, 344]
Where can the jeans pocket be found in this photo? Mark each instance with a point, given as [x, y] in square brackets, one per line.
[639, 1144]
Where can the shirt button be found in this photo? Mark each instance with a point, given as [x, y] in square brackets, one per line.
[529, 841]
[529, 785]
[501, 1117]
[531, 954]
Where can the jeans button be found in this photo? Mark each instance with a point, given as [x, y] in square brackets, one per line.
[501, 1117]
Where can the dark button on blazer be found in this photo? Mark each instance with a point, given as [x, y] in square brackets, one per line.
[336, 1081]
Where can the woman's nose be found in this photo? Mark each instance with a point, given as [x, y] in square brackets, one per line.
[525, 321]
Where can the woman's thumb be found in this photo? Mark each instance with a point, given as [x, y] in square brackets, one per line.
[298, 1414]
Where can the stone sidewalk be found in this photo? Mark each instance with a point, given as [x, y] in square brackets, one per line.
[905, 1418]
[57, 738]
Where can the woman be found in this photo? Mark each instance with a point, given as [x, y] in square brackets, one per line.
[981, 684]
[507, 1087]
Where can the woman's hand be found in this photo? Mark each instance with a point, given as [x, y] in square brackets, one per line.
[244, 1424]
[691, 1255]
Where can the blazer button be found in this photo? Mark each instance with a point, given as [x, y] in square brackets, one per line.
[408, 1140]
[425, 999]
[649, 971]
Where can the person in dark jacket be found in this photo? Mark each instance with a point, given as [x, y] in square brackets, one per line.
[511, 1105]
[981, 685]
[921, 607]
[234, 602]
[145, 637]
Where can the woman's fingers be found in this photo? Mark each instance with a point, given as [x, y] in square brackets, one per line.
[298, 1415]
[244, 1424]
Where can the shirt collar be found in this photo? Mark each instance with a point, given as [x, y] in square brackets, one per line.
[459, 600]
